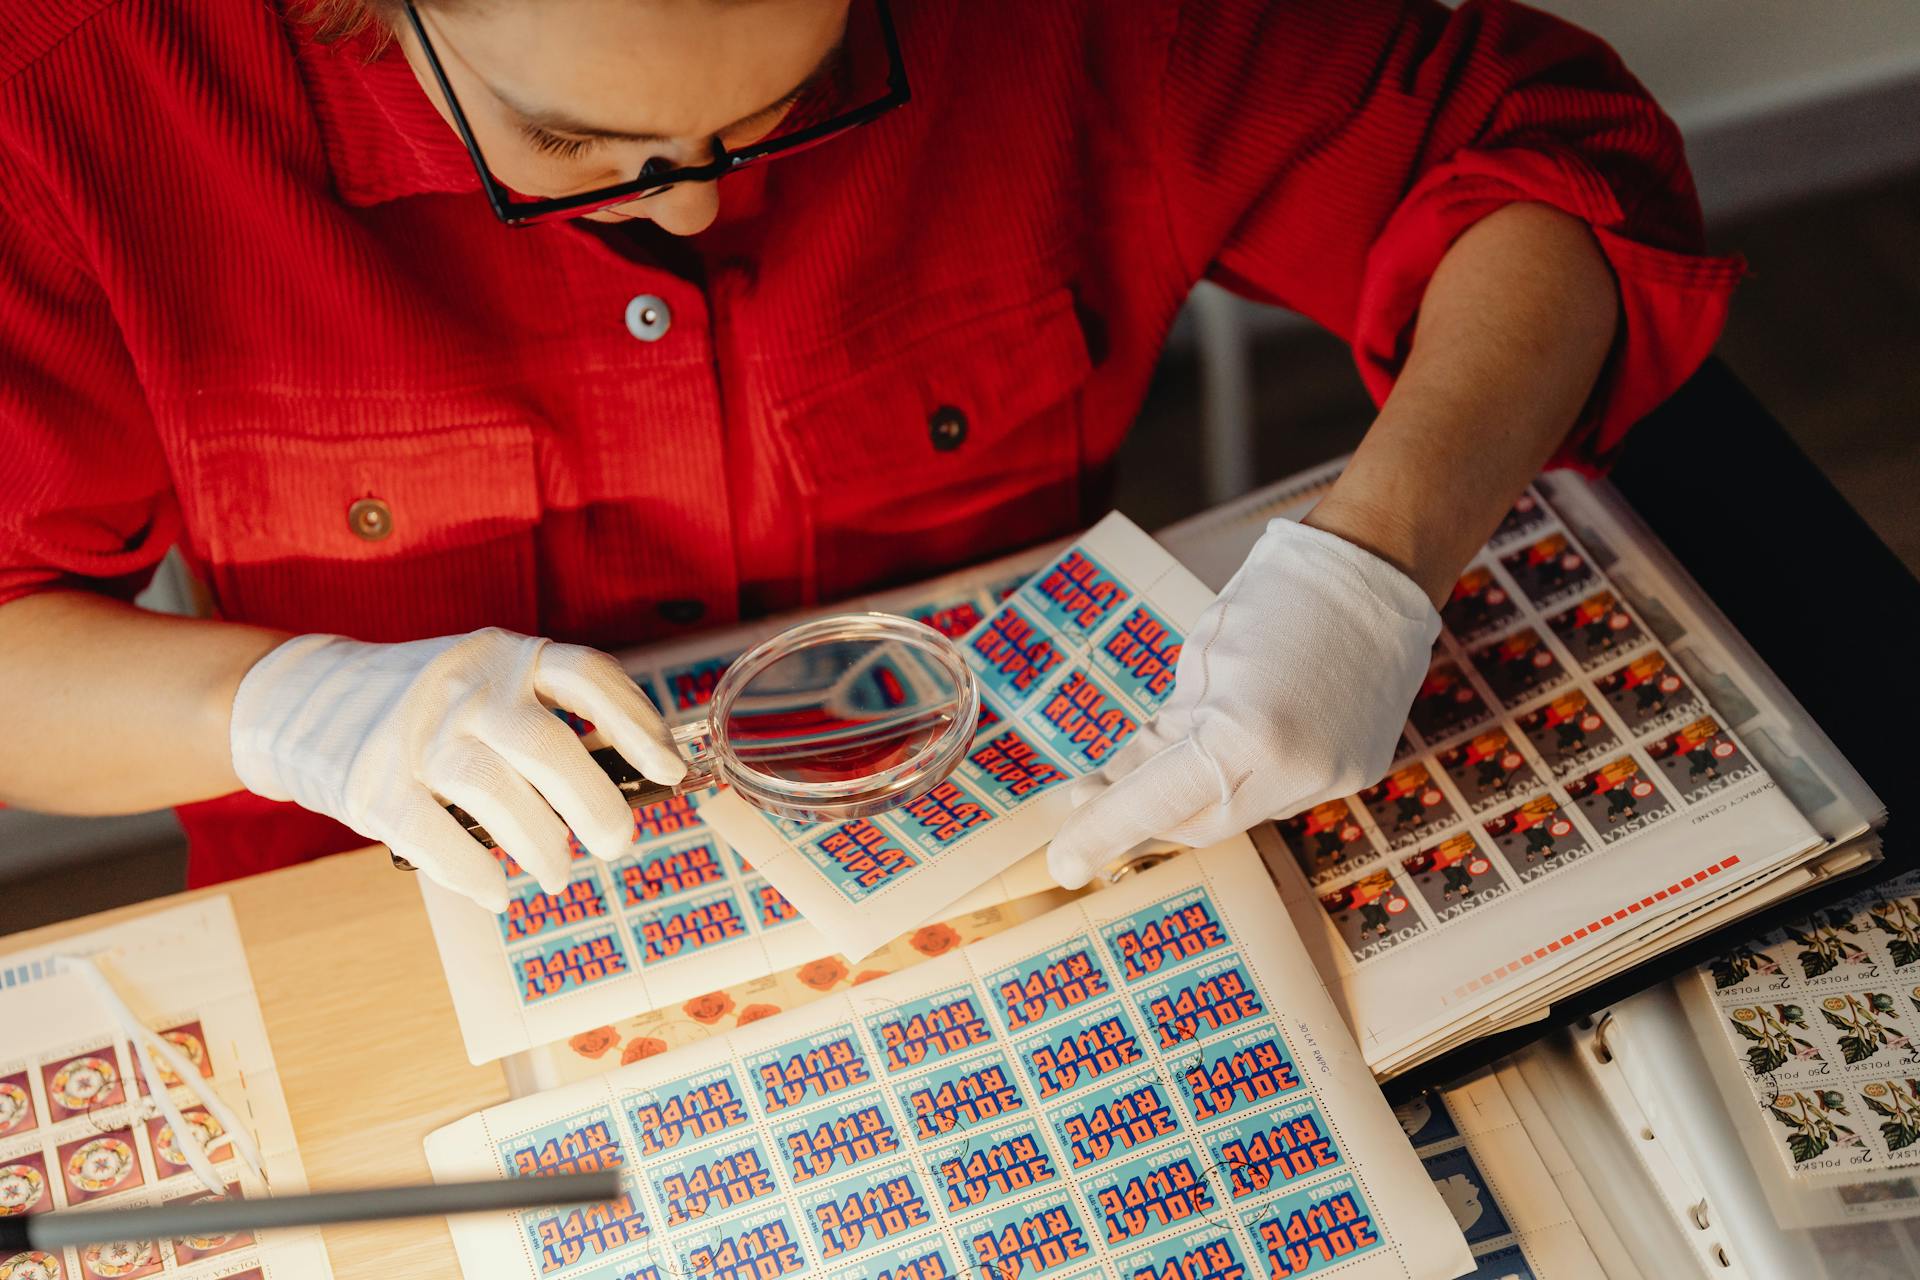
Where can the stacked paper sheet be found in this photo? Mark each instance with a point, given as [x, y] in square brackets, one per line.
[1147, 1081]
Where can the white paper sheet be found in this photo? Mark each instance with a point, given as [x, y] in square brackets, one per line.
[1069, 668]
[79, 1126]
[682, 913]
[1149, 1080]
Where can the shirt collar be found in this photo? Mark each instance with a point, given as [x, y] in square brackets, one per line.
[383, 137]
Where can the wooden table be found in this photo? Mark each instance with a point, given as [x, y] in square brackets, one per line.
[363, 1033]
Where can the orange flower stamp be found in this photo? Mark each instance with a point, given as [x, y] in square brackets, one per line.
[823, 973]
[934, 939]
[642, 1047]
[709, 1008]
[594, 1043]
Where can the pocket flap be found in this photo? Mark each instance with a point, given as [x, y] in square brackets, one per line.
[997, 372]
[266, 496]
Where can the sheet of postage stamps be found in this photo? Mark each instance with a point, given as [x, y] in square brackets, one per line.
[1145, 1081]
[1554, 758]
[1070, 665]
[1823, 1018]
[684, 913]
[80, 1123]
[716, 1012]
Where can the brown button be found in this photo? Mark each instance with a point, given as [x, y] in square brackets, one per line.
[370, 518]
[947, 428]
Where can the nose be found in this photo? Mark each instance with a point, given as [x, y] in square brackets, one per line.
[683, 210]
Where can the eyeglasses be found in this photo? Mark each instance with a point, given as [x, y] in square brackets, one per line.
[517, 211]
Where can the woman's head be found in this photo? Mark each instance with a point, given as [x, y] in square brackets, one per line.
[565, 96]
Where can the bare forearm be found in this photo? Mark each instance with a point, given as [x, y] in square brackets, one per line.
[1512, 333]
[112, 709]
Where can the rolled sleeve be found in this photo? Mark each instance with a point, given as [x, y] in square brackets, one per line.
[1325, 156]
[87, 501]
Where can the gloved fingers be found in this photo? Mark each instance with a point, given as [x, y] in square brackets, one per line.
[426, 835]
[550, 756]
[1161, 794]
[590, 683]
[472, 775]
[1209, 826]
[1148, 741]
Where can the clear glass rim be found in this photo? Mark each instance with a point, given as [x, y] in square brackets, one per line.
[874, 792]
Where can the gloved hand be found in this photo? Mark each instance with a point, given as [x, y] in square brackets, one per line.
[378, 736]
[1291, 690]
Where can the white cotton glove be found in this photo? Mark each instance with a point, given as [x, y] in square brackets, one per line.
[380, 736]
[1291, 690]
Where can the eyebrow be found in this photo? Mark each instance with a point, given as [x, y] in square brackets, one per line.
[558, 121]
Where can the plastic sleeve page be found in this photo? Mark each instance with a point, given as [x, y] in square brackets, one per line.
[1214, 543]
[1069, 667]
[682, 913]
[1147, 1081]
[1487, 1169]
[1734, 679]
[80, 1122]
[1778, 730]
[1560, 785]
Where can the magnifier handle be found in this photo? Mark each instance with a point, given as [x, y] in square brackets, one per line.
[638, 791]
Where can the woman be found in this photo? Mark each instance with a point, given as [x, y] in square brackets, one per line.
[258, 301]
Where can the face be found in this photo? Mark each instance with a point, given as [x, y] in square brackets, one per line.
[565, 96]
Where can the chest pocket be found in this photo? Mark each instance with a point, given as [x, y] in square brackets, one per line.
[959, 445]
[381, 538]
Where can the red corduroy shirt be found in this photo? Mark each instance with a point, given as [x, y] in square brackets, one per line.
[247, 282]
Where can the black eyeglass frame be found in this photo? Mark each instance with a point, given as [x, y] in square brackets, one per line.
[520, 213]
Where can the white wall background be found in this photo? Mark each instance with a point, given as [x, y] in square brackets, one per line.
[1711, 60]
[1778, 98]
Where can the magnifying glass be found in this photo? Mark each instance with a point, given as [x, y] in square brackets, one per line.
[834, 719]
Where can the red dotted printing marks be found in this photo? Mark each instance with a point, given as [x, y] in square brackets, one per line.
[1604, 922]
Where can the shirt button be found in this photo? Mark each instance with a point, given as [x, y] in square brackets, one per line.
[370, 518]
[648, 318]
[682, 612]
[947, 427]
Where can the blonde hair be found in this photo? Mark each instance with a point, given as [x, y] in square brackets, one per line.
[336, 20]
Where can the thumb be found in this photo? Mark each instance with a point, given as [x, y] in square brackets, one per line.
[1148, 741]
[1160, 794]
[1145, 744]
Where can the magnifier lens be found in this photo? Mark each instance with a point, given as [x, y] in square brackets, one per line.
[835, 719]
[844, 717]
